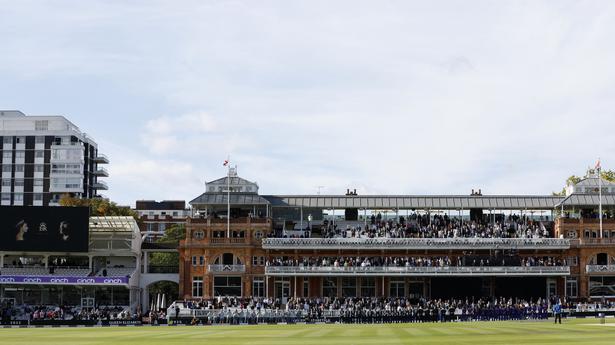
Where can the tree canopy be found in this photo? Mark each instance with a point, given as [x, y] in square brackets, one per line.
[172, 234]
[98, 206]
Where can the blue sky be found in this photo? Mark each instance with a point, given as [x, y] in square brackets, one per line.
[403, 97]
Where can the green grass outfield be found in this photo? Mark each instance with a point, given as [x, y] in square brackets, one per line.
[587, 331]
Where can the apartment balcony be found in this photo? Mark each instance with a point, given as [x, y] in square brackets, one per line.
[67, 144]
[99, 185]
[226, 268]
[101, 159]
[600, 269]
[415, 243]
[65, 189]
[446, 271]
[101, 172]
[162, 218]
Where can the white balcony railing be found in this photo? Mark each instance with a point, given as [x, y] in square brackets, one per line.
[100, 185]
[226, 268]
[600, 268]
[101, 172]
[416, 243]
[419, 271]
[101, 159]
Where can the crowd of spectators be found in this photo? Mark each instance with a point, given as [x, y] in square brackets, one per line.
[233, 310]
[367, 310]
[107, 313]
[440, 227]
[424, 226]
[54, 312]
[418, 261]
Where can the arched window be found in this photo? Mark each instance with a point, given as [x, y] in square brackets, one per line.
[228, 259]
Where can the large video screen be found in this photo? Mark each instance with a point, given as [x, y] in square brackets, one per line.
[44, 229]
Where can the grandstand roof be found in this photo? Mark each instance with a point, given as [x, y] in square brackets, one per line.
[594, 181]
[586, 193]
[222, 199]
[113, 224]
[587, 200]
[441, 202]
[235, 180]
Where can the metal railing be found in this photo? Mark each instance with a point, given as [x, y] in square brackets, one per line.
[101, 158]
[233, 221]
[100, 185]
[226, 268]
[416, 243]
[163, 269]
[226, 240]
[600, 268]
[596, 241]
[101, 172]
[419, 271]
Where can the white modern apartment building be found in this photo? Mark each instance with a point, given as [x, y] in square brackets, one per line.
[45, 157]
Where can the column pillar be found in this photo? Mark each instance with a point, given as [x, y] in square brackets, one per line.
[583, 281]
[561, 286]
[145, 261]
[266, 286]
[247, 283]
[145, 300]
[492, 287]
[208, 286]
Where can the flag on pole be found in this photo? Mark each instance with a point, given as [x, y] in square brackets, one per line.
[598, 164]
[225, 162]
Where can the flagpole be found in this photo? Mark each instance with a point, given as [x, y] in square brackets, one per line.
[600, 197]
[228, 201]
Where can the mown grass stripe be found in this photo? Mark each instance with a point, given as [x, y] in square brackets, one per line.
[476, 333]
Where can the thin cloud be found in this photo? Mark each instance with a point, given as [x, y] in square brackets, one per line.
[395, 97]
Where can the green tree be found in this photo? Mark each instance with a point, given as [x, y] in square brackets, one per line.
[608, 175]
[172, 236]
[99, 206]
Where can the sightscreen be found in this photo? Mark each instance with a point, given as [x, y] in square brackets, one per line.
[44, 229]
